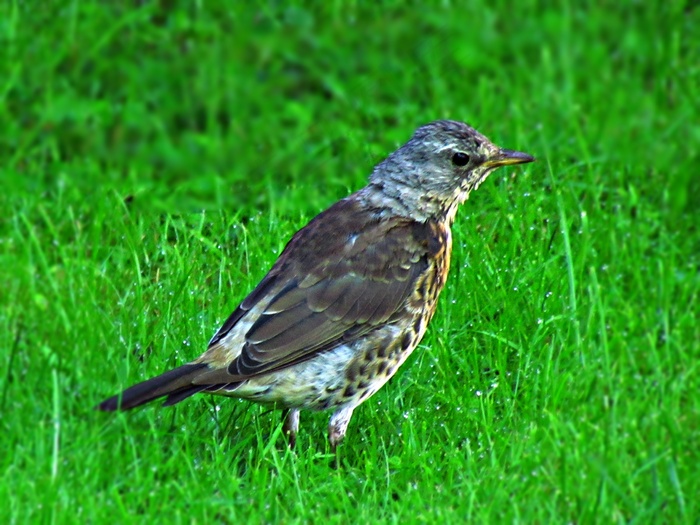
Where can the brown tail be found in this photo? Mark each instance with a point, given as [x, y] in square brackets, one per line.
[176, 384]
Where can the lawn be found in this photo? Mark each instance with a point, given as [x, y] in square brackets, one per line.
[155, 157]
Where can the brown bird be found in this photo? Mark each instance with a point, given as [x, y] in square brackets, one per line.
[352, 293]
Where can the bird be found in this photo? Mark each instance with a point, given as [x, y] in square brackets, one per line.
[350, 296]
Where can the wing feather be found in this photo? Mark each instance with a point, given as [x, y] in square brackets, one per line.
[325, 290]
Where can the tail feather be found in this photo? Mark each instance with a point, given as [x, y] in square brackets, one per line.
[184, 393]
[176, 384]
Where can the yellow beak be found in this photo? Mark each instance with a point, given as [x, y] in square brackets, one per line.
[506, 157]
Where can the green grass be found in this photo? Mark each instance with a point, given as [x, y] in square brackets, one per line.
[156, 157]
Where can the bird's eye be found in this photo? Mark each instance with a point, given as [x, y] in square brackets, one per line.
[460, 159]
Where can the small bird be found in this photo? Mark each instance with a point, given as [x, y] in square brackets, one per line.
[350, 296]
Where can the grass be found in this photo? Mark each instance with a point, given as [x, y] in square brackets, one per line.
[156, 157]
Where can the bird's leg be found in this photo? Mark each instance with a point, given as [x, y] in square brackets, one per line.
[291, 426]
[338, 426]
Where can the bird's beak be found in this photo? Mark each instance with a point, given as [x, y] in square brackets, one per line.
[506, 157]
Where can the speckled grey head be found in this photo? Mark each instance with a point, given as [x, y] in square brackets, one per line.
[435, 171]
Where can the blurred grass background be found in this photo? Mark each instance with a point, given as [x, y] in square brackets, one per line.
[155, 158]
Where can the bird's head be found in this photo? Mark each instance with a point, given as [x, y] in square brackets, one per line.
[437, 168]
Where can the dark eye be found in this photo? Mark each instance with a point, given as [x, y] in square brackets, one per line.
[460, 159]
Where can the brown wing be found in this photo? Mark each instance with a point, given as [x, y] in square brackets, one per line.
[338, 278]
